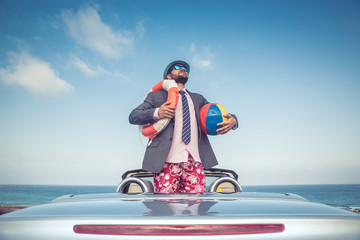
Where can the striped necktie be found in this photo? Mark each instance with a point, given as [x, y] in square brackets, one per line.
[186, 130]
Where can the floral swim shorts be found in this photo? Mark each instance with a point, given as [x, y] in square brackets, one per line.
[185, 177]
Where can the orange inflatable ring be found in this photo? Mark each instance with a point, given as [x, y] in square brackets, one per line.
[169, 85]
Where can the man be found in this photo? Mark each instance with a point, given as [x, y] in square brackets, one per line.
[178, 156]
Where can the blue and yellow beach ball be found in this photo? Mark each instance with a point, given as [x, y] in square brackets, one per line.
[210, 115]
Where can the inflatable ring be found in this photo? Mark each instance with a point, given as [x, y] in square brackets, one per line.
[169, 85]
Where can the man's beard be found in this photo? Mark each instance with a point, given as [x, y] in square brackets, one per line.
[181, 79]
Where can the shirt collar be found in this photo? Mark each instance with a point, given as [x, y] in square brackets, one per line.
[184, 89]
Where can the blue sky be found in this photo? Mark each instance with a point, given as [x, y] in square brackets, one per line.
[72, 71]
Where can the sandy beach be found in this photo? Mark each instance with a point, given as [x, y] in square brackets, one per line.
[10, 208]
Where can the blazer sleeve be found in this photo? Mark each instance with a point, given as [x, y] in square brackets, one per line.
[143, 114]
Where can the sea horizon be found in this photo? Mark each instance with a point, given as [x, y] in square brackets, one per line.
[338, 195]
[110, 185]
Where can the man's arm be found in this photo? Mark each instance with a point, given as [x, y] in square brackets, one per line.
[150, 111]
[143, 114]
[166, 111]
[230, 123]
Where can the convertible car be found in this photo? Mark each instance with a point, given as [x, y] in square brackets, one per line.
[223, 212]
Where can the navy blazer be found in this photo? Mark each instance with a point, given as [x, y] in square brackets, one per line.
[157, 152]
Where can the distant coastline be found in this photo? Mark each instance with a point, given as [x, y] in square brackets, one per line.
[346, 196]
[10, 208]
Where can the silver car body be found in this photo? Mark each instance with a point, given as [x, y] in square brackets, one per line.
[213, 215]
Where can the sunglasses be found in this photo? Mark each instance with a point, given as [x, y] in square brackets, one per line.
[178, 67]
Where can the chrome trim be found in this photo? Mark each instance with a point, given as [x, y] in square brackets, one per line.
[214, 185]
[126, 183]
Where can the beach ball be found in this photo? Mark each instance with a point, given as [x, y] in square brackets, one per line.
[210, 115]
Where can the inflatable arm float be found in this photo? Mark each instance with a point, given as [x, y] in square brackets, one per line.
[169, 85]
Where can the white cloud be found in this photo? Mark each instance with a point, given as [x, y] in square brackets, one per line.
[200, 58]
[86, 68]
[91, 71]
[34, 75]
[87, 28]
[140, 29]
[121, 77]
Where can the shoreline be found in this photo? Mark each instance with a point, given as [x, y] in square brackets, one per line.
[10, 208]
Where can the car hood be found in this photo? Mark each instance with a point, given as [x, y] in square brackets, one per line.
[153, 205]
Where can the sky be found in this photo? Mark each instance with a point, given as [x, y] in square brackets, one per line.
[72, 71]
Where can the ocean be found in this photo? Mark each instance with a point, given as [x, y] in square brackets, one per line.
[338, 195]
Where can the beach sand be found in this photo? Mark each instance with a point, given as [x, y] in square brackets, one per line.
[10, 208]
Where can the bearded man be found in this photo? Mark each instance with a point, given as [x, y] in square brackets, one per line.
[178, 154]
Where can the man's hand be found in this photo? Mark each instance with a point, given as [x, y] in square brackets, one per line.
[166, 111]
[226, 125]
